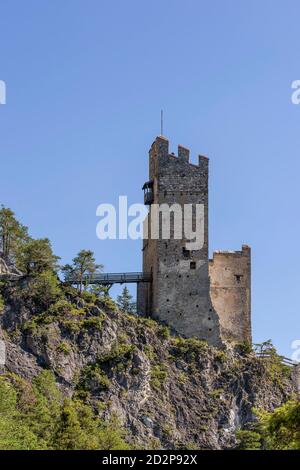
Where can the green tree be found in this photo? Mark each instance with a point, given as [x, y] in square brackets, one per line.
[35, 416]
[37, 256]
[83, 268]
[265, 348]
[12, 233]
[125, 302]
[248, 440]
[69, 434]
[15, 434]
[281, 429]
[45, 289]
[99, 290]
[78, 428]
[40, 405]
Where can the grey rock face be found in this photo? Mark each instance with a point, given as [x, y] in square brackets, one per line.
[167, 392]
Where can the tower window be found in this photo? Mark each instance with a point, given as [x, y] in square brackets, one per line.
[193, 265]
[238, 277]
[186, 253]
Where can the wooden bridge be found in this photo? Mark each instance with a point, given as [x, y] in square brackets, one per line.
[108, 279]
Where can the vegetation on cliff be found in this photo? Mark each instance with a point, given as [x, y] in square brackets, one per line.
[279, 430]
[83, 372]
[36, 415]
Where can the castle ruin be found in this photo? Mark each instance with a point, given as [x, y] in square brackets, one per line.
[196, 296]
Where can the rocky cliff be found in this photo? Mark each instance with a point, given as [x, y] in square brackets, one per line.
[166, 391]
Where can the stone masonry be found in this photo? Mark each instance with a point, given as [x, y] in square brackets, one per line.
[230, 275]
[196, 297]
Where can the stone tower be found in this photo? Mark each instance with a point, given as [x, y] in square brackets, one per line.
[180, 292]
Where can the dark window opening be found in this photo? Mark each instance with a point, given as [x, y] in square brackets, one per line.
[186, 253]
[238, 277]
[193, 265]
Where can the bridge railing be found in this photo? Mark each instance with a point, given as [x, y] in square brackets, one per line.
[110, 278]
[284, 360]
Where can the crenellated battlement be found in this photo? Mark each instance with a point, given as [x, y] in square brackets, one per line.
[160, 147]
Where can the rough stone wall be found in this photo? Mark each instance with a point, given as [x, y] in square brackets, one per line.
[230, 277]
[180, 293]
[145, 296]
[197, 297]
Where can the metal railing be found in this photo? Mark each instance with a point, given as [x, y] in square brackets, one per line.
[284, 360]
[111, 278]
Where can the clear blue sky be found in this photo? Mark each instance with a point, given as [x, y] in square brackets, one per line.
[86, 80]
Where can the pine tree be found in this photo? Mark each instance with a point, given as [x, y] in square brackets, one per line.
[69, 435]
[36, 257]
[83, 268]
[125, 302]
[12, 233]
